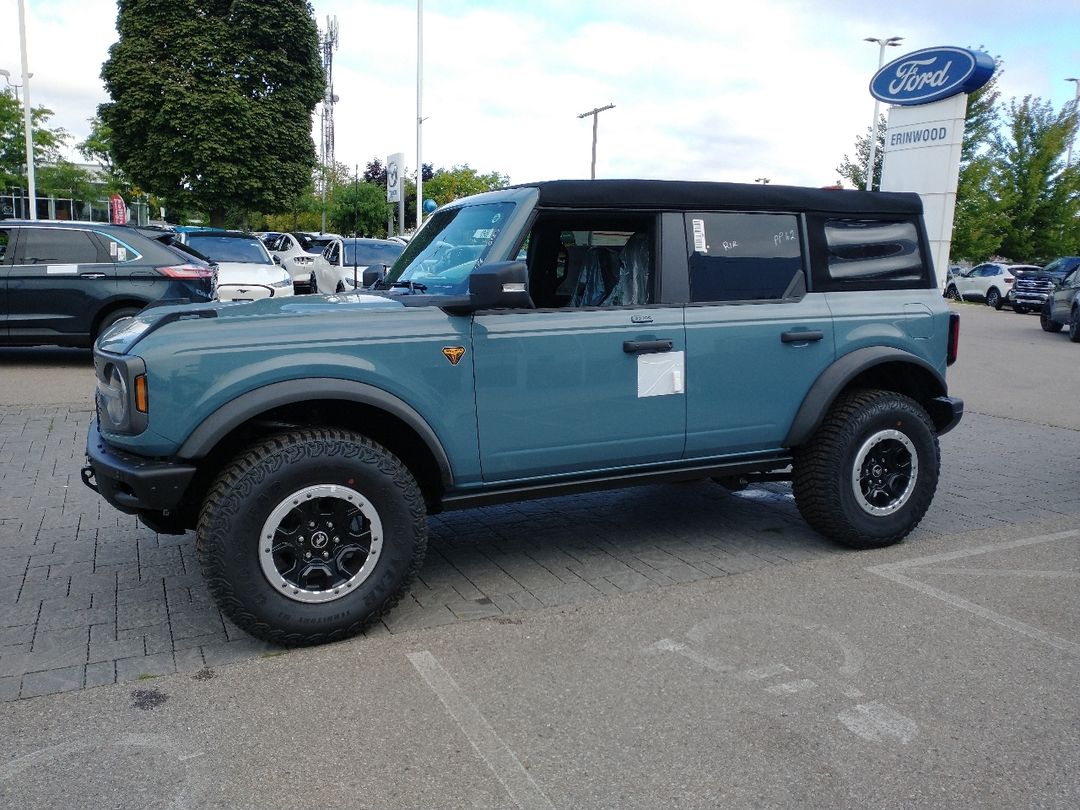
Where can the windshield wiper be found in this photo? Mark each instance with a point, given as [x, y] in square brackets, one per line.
[412, 286]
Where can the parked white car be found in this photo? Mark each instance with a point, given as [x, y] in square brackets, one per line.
[340, 267]
[990, 282]
[296, 252]
[245, 270]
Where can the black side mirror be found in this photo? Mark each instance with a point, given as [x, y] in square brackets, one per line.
[373, 273]
[276, 258]
[500, 285]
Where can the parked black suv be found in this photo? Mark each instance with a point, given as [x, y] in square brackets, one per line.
[64, 283]
[1033, 288]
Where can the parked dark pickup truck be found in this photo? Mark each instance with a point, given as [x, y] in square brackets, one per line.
[1033, 288]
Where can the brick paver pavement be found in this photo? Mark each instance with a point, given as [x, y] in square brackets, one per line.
[89, 596]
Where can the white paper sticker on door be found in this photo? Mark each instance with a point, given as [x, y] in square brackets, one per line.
[660, 374]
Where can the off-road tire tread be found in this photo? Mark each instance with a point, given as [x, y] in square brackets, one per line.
[817, 477]
[246, 472]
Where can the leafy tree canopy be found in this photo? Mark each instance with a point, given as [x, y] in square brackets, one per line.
[213, 99]
[448, 185]
[47, 145]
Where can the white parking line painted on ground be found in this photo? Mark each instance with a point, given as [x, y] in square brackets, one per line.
[876, 721]
[524, 792]
[791, 687]
[892, 571]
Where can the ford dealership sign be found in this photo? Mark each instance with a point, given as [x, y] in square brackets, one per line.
[931, 75]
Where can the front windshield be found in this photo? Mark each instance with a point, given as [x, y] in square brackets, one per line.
[451, 244]
[230, 248]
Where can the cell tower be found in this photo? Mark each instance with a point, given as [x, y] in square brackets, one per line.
[328, 42]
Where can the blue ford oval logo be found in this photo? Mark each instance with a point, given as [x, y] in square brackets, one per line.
[931, 74]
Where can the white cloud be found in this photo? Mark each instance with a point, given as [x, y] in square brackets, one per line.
[703, 89]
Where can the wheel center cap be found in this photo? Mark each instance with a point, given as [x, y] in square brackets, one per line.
[876, 471]
[319, 539]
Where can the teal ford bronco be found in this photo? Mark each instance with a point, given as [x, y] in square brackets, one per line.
[538, 340]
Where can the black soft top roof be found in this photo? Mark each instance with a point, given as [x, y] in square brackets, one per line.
[689, 195]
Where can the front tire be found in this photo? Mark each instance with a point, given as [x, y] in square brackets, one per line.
[993, 298]
[1047, 323]
[311, 535]
[951, 293]
[1074, 325]
[1020, 310]
[869, 473]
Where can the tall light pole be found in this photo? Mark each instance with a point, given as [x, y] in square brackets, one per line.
[1068, 158]
[883, 44]
[595, 113]
[419, 114]
[27, 127]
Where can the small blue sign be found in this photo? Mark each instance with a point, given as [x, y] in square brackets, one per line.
[931, 74]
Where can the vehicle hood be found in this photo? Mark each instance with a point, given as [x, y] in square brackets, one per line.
[123, 337]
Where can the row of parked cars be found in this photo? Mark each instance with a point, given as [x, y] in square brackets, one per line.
[329, 263]
[1052, 291]
[65, 283]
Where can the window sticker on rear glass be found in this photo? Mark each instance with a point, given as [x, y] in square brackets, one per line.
[112, 249]
[121, 254]
[700, 246]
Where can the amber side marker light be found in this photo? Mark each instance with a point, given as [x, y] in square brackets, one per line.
[142, 397]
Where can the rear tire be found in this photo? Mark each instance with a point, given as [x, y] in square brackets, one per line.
[1074, 325]
[311, 535]
[117, 315]
[869, 473]
[1047, 323]
[993, 298]
[950, 293]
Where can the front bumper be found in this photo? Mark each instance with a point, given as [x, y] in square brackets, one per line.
[1027, 299]
[133, 483]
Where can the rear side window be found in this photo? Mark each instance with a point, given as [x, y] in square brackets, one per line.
[58, 246]
[744, 257]
[867, 254]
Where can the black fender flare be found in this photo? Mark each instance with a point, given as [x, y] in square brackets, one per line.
[252, 403]
[836, 377]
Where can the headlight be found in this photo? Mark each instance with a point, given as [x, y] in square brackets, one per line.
[122, 394]
[113, 395]
[284, 282]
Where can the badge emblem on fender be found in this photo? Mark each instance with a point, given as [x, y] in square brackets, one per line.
[453, 353]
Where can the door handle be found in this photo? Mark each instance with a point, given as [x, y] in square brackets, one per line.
[644, 346]
[797, 336]
[91, 275]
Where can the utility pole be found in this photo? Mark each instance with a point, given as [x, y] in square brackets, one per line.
[595, 114]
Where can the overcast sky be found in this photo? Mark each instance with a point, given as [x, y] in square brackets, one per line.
[704, 89]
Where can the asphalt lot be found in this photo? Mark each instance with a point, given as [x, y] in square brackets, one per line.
[668, 646]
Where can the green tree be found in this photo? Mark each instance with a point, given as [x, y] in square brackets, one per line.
[98, 148]
[854, 170]
[978, 220]
[359, 208]
[213, 100]
[47, 142]
[1039, 195]
[448, 185]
